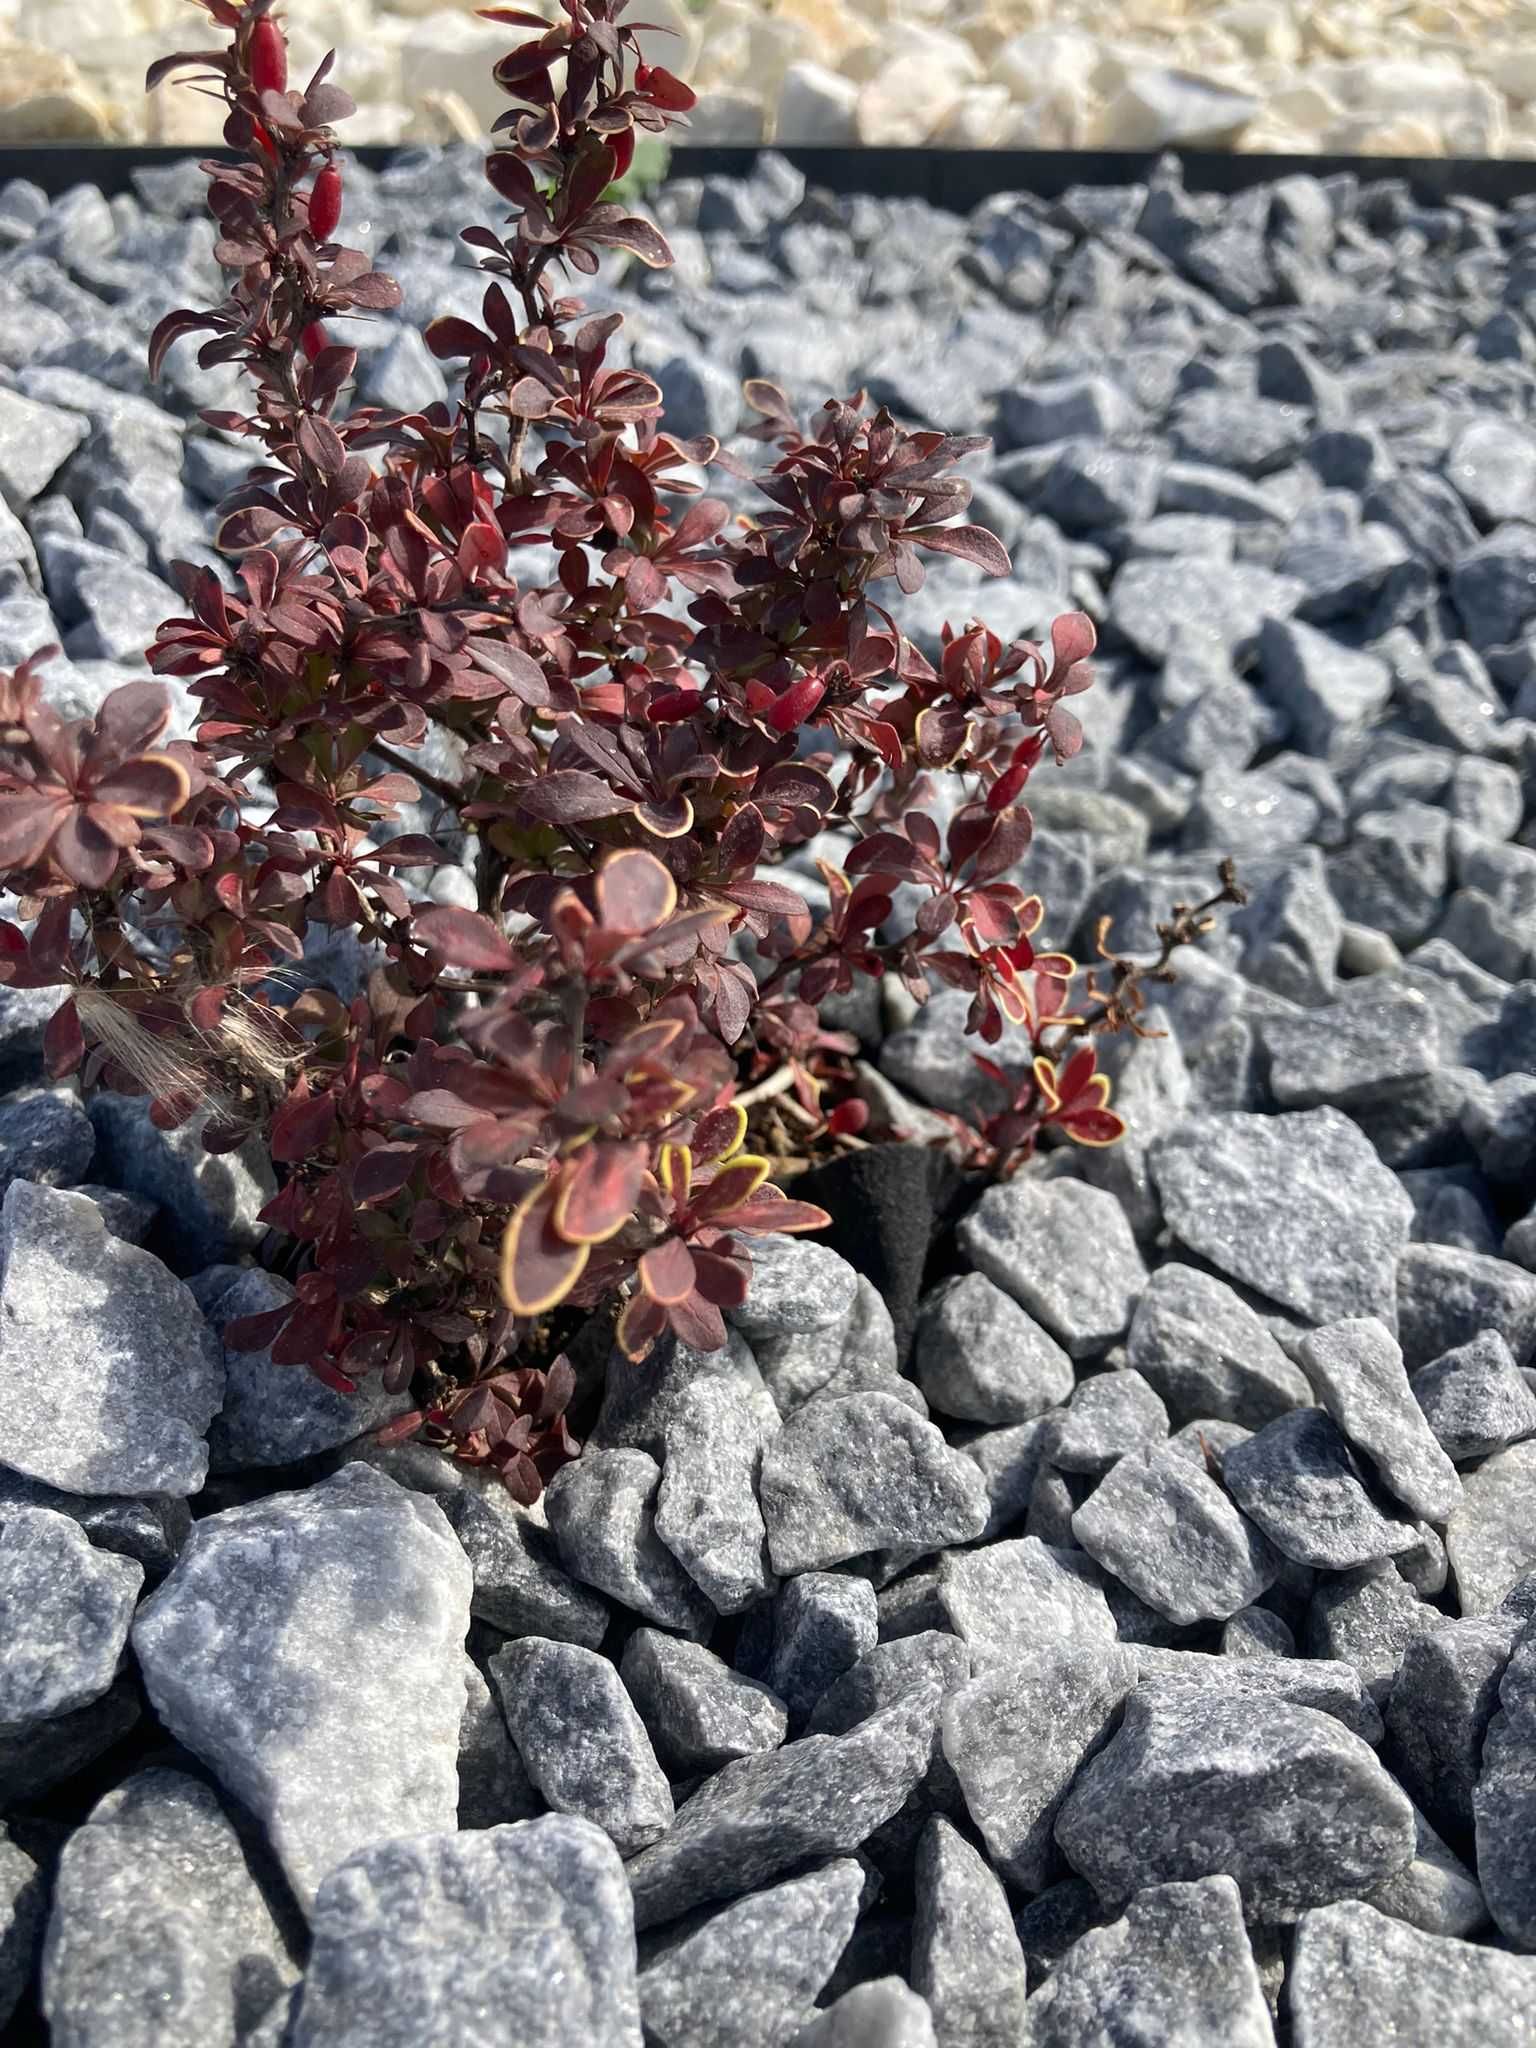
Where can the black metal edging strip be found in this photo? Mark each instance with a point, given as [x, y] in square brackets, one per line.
[955, 179]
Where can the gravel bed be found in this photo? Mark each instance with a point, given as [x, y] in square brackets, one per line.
[1145, 1651]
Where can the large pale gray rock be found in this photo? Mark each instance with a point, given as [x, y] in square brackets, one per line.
[796, 1287]
[512, 1937]
[1295, 1478]
[1280, 1798]
[1357, 1977]
[1204, 1351]
[65, 1612]
[1029, 1237]
[755, 1819]
[980, 1358]
[581, 1741]
[309, 1648]
[1491, 1538]
[161, 1935]
[1356, 1370]
[602, 1512]
[1016, 1737]
[278, 1414]
[110, 1374]
[1297, 1206]
[966, 1957]
[863, 1473]
[752, 1970]
[1328, 1686]
[1176, 1966]
[1006, 1598]
[707, 1512]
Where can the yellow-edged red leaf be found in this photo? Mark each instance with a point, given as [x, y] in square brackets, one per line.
[538, 1266]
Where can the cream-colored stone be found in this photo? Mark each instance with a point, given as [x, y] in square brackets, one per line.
[816, 105]
[451, 52]
[1045, 60]
[736, 118]
[65, 114]
[977, 120]
[909, 97]
[441, 117]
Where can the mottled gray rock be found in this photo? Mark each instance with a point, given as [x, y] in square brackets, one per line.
[1329, 692]
[1349, 1052]
[49, 1752]
[494, 1787]
[1109, 1416]
[513, 1937]
[1356, 1370]
[1474, 1398]
[890, 1672]
[1206, 1353]
[856, 1353]
[216, 1198]
[1016, 1737]
[1257, 1632]
[752, 1971]
[1291, 930]
[1223, 605]
[602, 1512]
[1006, 1598]
[1028, 1235]
[1368, 1618]
[707, 1512]
[1010, 1460]
[1394, 873]
[883, 2012]
[1357, 1976]
[1296, 1479]
[758, 1817]
[1504, 1803]
[22, 1903]
[111, 1374]
[160, 1935]
[1282, 1799]
[46, 1138]
[309, 1648]
[979, 1357]
[1176, 1966]
[1329, 1688]
[1435, 1892]
[278, 1414]
[966, 1958]
[864, 1473]
[1491, 1538]
[65, 1611]
[796, 1287]
[1297, 1206]
[823, 1622]
[581, 1741]
[698, 1712]
[1446, 1694]
[1165, 1529]
[1446, 1297]
[520, 1587]
[35, 441]
[640, 1400]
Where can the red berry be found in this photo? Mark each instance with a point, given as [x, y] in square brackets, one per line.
[314, 339]
[797, 703]
[623, 147]
[268, 57]
[325, 203]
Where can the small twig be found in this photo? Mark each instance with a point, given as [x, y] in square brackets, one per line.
[777, 1083]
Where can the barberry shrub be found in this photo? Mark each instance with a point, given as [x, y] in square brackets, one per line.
[530, 1109]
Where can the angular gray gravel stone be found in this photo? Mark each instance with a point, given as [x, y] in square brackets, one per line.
[22, 1902]
[1222, 605]
[754, 1819]
[823, 1622]
[1491, 1538]
[1446, 1297]
[1206, 1353]
[977, 1355]
[1010, 1460]
[1393, 875]
[1297, 1206]
[1348, 1053]
[274, 1414]
[1368, 1618]
[864, 1473]
[1356, 1370]
[1504, 1803]
[602, 1513]
[309, 1648]
[966, 1958]
[698, 1712]
[65, 1612]
[1446, 1694]
[581, 1741]
[35, 441]
[1177, 1966]
[160, 1935]
[46, 1138]
[752, 1971]
[1257, 1632]
[215, 1198]
[520, 1587]
[1330, 692]
[512, 1937]
[1165, 1529]
[1357, 1977]
[1017, 1736]
[640, 1400]
[1296, 1479]
[707, 1512]
[1006, 1598]
[1282, 1799]
[883, 2012]
[494, 1787]
[796, 1287]
[1474, 1398]
[1029, 1236]
[1435, 1892]
[856, 1353]
[111, 1375]
[888, 1673]
[1330, 1688]
[1109, 1416]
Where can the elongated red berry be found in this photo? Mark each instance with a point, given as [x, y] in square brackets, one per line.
[796, 703]
[623, 147]
[325, 203]
[314, 339]
[268, 57]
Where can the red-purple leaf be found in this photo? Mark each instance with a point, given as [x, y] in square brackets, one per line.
[464, 939]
